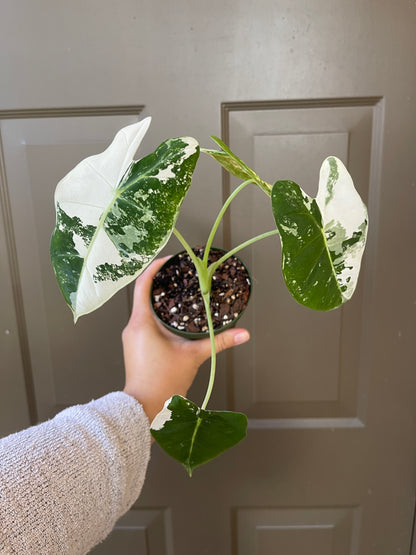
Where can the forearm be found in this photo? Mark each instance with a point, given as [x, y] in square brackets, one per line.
[64, 483]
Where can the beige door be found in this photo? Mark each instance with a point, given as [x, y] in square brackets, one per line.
[328, 467]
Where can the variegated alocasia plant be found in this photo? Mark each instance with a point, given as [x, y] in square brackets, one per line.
[114, 215]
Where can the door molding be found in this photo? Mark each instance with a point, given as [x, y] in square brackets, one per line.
[76, 111]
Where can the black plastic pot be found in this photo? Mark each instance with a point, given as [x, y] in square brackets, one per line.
[187, 295]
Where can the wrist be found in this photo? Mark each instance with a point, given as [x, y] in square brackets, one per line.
[150, 408]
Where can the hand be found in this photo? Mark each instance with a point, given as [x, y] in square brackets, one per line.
[158, 363]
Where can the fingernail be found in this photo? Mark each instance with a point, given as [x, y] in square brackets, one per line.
[241, 337]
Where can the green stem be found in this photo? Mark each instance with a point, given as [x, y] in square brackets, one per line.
[205, 278]
[205, 286]
[219, 218]
[186, 246]
[216, 264]
[206, 298]
[201, 268]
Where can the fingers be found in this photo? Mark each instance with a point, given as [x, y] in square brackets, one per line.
[231, 338]
[223, 341]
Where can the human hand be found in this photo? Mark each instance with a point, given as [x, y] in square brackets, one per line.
[159, 364]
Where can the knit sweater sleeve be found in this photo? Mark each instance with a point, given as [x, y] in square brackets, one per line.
[64, 483]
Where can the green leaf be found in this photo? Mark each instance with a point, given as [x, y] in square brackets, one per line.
[323, 240]
[114, 215]
[194, 436]
[235, 166]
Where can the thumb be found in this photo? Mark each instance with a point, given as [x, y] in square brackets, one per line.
[141, 297]
[223, 341]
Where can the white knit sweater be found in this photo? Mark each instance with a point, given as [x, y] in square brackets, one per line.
[64, 483]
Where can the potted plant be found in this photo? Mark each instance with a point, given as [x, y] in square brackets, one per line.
[114, 215]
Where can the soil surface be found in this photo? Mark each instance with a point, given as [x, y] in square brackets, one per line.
[177, 299]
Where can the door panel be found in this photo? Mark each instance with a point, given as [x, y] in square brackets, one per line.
[290, 140]
[65, 359]
[288, 392]
[328, 466]
[143, 531]
[289, 531]
[14, 407]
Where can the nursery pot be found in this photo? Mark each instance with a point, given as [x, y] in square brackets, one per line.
[177, 301]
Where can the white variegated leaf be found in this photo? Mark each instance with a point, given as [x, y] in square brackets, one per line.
[114, 215]
[344, 220]
[323, 239]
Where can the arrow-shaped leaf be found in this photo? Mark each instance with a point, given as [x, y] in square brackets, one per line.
[194, 436]
[323, 240]
[114, 215]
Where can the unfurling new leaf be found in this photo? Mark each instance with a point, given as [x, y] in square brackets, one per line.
[235, 166]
